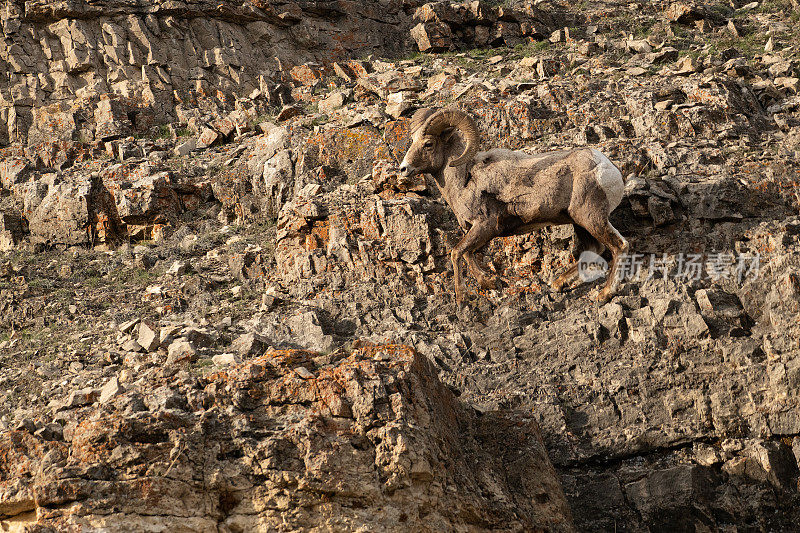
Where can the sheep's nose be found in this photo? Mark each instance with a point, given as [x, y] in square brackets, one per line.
[403, 168]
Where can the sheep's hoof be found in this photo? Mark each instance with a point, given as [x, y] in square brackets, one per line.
[459, 299]
[604, 296]
[561, 283]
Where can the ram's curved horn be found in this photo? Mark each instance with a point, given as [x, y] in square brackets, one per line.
[419, 117]
[455, 118]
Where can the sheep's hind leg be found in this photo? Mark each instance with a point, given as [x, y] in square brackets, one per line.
[611, 238]
[478, 235]
[485, 279]
[585, 243]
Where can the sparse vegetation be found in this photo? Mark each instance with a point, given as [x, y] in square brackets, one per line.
[531, 49]
[749, 45]
[690, 53]
[320, 120]
[776, 7]
[674, 387]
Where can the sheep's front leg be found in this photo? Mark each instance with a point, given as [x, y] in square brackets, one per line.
[478, 235]
[566, 277]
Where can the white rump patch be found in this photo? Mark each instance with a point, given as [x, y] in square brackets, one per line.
[609, 178]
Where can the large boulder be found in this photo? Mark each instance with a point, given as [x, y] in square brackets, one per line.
[13, 171]
[291, 440]
[63, 215]
[442, 26]
[11, 229]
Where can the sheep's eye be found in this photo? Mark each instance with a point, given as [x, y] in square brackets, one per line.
[428, 144]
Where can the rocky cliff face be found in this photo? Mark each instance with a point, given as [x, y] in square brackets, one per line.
[97, 70]
[245, 306]
[290, 441]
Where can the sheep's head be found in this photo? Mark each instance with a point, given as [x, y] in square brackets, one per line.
[431, 131]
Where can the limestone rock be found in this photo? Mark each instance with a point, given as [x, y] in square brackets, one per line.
[289, 111]
[110, 390]
[226, 359]
[11, 229]
[432, 37]
[13, 171]
[185, 148]
[148, 337]
[684, 12]
[333, 430]
[249, 344]
[81, 397]
[180, 351]
[407, 230]
[208, 137]
[331, 103]
[308, 331]
[63, 215]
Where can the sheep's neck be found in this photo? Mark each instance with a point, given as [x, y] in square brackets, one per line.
[451, 181]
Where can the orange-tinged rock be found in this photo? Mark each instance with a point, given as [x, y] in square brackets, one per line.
[270, 436]
[307, 74]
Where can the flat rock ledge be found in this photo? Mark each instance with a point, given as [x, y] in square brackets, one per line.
[368, 440]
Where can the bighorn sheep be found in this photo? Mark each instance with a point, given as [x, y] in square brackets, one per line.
[503, 192]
